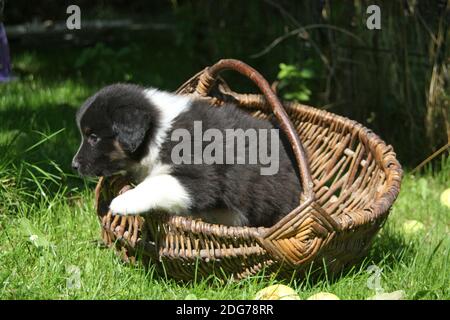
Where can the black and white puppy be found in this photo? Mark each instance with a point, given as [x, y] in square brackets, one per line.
[128, 129]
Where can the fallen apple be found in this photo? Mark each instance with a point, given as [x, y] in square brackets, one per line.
[445, 198]
[413, 226]
[323, 296]
[277, 292]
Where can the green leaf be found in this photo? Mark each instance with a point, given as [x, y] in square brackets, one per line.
[299, 96]
[286, 71]
[306, 73]
[303, 96]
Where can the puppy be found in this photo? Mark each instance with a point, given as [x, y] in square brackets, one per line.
[183, 157]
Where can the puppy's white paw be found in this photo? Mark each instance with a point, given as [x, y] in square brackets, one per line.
[128, 203]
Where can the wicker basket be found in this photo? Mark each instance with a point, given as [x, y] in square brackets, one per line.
[350, 181]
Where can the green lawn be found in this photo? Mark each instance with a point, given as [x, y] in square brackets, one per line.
[49, 233]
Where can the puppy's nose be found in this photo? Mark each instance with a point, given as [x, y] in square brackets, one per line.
[75, 164]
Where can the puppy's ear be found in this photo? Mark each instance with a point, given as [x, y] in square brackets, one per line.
[130, 125]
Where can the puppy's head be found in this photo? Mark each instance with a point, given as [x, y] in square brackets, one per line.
[116, 125]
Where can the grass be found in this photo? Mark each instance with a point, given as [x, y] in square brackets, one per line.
[49, 233]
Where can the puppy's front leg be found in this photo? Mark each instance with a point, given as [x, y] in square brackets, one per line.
[162, 192]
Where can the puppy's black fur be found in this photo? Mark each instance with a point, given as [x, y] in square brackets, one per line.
[119, 123]
[263, 199]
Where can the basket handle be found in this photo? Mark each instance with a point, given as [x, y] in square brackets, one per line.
[206, 82]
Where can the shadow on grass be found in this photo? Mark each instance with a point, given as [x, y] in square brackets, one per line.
[27, 127]
[38, 144]
[388, 249]
[391, 247]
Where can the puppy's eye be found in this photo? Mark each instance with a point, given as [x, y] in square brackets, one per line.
[93, 138]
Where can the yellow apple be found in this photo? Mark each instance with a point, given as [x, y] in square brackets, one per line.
[445, 198]
[323, 296]
[277, 292]
[412, 226]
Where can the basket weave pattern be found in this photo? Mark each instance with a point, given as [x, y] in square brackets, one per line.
[350, 179]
